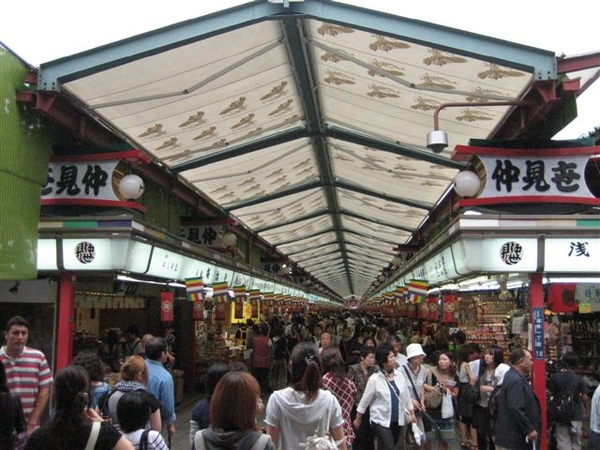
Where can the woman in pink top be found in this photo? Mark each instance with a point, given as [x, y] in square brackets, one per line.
[263, 358]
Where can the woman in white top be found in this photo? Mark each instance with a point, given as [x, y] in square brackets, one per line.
[304, 409]
[387, 398]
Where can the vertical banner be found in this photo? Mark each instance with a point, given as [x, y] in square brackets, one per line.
[220, 308]
[238, 312]
[449, 306]
[198, 311]
[423, 309]
[432, 309]
[166, 307]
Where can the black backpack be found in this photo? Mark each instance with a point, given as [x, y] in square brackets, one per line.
[493, 404]
[103, 405]
[561, 406]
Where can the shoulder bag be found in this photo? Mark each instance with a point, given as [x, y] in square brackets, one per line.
[432, 399]
[472, 392]
[91, 442]
[325, 441]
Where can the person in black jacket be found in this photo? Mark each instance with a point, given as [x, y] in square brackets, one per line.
[519, 419]
[568, 435]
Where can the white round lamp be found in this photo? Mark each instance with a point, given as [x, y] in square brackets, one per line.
[229, 239]
[131, 187]
[467, 184]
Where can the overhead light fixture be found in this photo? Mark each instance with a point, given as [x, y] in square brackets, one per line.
[131, 187]
[229, 240]
[467, 183]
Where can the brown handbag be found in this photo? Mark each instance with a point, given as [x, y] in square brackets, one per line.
[432, 399]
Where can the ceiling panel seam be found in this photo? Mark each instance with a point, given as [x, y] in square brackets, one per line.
[299, 54]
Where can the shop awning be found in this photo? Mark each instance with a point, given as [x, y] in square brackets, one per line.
[307, 122]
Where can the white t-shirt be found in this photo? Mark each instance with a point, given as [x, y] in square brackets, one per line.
[296, 420]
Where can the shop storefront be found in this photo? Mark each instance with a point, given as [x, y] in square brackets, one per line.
[111, 273]
[517, 259]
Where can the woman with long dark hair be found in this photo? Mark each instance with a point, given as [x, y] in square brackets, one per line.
[11, 413]
[70, 426]
[336, 381]
[388, 400]
[441, 381]
[304, 409]
[484, 371]
[234, 406]
[464, 408]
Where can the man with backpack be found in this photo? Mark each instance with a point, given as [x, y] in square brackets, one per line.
[568, 392]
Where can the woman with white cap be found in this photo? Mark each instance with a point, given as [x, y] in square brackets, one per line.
[416, 375]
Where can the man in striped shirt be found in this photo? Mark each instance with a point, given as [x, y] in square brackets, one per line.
[27, 371]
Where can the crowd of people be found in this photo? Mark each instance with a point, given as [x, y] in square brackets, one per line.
[350, 382]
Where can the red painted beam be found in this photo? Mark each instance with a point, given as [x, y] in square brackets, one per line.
[66, 320]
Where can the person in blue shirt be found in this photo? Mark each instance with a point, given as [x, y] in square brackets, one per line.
[160, 381]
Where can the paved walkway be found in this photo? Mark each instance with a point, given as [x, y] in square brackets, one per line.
[181, 439]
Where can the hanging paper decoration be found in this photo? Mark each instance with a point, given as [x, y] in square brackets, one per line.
[253, 299]
[449, 302]
[267, 302]
[417, 290]
[220, 292]
[194, 288]
[198, 311]
[166, 307]
[239, 292]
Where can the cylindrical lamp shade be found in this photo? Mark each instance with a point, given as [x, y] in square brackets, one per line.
[397, 261]
[467, 184]
[131, 187]
[229, 239]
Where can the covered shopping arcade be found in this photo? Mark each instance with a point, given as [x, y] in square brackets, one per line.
[306, 122]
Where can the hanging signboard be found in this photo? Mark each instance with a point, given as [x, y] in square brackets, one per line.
[89, 179]
[513, 176]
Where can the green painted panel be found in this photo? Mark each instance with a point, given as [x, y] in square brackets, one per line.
[24, 154]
